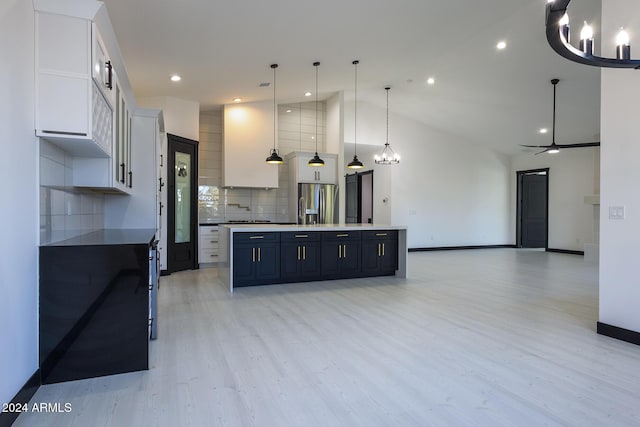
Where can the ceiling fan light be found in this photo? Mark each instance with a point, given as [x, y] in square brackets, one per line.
[553, 150]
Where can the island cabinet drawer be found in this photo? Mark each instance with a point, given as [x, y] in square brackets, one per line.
[255, 238]
[379, 234]
[296, 236]
[341, 235]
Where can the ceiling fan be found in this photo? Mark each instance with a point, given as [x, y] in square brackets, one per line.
[553, 147]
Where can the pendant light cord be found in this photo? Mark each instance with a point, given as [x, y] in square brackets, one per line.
[316, 64]
[553, 135]
[387, 142]
[274, 66]
[355, 110]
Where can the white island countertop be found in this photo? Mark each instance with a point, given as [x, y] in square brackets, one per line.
[227, 231]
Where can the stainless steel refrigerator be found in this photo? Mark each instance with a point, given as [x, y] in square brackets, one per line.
[317, 204]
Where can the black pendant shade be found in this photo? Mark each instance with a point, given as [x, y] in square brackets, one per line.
[316, 161]
[274, 158]
[355, 163]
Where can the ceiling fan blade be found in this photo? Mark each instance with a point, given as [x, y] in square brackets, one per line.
[543, 151]
[535, 146]
[582, 144]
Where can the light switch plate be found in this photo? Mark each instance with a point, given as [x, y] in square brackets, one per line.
[616, 212]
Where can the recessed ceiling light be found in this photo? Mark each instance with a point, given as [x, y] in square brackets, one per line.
[543, 130]
[501, 45]
[176, 78]
[288, 111]
[307, 94]
[237, 99]
[431, 81]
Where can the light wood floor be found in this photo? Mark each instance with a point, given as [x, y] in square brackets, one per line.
[496, 337]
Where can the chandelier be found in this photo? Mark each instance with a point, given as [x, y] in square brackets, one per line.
[557, 22]
[388, 156]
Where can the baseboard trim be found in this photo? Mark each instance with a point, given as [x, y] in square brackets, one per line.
[22, 396]
[457, 248]
[565, 251]
[622, 334]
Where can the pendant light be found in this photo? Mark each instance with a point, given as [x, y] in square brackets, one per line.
[316, 161]
[274, 158]
[355, 163]
[388, 156]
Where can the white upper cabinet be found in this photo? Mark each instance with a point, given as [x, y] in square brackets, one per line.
[247, 141]
[72, 111]
[300, 171]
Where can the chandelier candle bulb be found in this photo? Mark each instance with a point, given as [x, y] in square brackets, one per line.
[564, 26]
[586, 39]
[623, 48]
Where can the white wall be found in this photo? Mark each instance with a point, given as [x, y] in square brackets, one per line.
[571, 178]
[181, 117]
[620, 175]
[19, 212]
[448, 192]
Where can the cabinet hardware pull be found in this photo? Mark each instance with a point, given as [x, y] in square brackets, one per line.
[344, 251]
[339, 251]
[381, 234]
[109, 82]
[161, 159]
[213, 241]
[301, 236]
[55, 132]
[298, 253]
[342, 235]
[378, 249]
[256, 237]
[160, 208]
[304, 252]
[253, 254]
[258, 254]
[161, 185]
[212, 255]
[122, 172]
[130, 179]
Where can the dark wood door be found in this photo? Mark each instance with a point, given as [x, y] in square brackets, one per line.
[533, 210]
[182, 211]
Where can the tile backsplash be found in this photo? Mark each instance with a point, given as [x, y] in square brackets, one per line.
[64, 211]
[297, 131]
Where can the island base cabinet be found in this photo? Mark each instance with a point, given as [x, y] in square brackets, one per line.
[300, 257]
[379, 256]
[256, 258]
[341, 254]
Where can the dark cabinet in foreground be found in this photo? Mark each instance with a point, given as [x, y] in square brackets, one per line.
[256, 258]
[94, 305]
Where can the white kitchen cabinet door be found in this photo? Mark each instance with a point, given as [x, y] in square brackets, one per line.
[102, 68]
[302, 172]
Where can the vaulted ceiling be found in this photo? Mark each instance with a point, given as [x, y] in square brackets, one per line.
[497, 98]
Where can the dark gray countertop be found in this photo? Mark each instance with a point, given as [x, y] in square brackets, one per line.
[131, 236]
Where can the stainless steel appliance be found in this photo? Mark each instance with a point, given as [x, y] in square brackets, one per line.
[317, 204]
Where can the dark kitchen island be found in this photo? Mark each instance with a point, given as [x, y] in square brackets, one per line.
[261, 254]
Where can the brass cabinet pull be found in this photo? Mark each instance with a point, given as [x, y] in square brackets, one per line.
[342, 235]
[378, 249]
[256, 237]
[304, 252]
[253, 254]
[339, 251]
[381, 234]
[383, 249]
[301, 236]
[344, 251]
[298, 253]
[258, 254]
